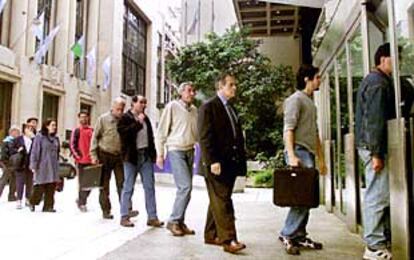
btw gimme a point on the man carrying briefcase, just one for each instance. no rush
(301, 144)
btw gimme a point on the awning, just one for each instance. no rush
(304, 3)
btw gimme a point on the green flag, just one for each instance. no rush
(77, 48)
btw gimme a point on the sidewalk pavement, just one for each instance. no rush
(70, 234)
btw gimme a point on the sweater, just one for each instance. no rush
(177, 129)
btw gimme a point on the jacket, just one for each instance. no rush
(128, 129)
(80, 143)
(375, 106)
(44, 159)
(217, 141)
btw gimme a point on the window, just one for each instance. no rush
(6, 90)
(159, 69)
(50, 106)
(80, 37)
(44, 7)
(134, 53)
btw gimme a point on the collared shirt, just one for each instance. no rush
(27, 143)
(106, 136)
(142, 137)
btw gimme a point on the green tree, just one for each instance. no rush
(262, 87)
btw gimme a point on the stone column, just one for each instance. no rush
(71, 35)
(18, 26)
(30, 39)
(92, 33)
(61, 40)
(5, 28)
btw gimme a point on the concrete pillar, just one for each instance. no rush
(71, 35)
(61, 41)
(18, 26)
(92, 33)
(30, 38)
(5, 28)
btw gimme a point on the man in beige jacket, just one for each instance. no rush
(176, 133)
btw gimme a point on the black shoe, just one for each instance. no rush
(13, 198)
(107, 216)
(290, 246)
(309, 243)
(31, 207)
(49, 210)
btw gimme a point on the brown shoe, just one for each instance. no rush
(175, 229)
(215, 242)
(233, 247)
(186, 230)
(125, 222)
(155, 223)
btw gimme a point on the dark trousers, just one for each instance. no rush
(24, 178)
(220, 214)
(83, 194)
(10, 178)
(110, 163)
(48, 190)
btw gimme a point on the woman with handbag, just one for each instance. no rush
(44, 163)
(24, 176)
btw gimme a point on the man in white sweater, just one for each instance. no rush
(176, 134)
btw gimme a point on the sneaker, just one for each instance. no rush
(125, 222)
(290, 247)
(309, 243)
(107, 215)
(379, 254)
(19, 204)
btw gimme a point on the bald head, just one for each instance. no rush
(118, 106)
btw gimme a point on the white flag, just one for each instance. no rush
(106, 67)
(41, 52)
(196, 18)
(91, 63)
(2, 4)
(38, 25)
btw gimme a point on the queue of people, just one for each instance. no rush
(125, 144)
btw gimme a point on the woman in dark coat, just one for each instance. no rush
(44, 163)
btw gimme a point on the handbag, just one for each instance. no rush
(90, 177)
(296, 187)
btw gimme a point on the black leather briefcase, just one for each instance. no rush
(296, 187)
(90, 177)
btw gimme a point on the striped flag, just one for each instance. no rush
(2, 4)
(41, 52)
(91, 66)
(106, 67)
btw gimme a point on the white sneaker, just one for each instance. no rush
(380, 254)
(19, 204)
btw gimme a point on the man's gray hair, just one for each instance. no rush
(14, 128)
(182, 86)
(119, 101)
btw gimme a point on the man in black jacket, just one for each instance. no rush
(138, 152)
(222, 160)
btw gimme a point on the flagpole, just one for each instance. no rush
(185, 21)
(199, 21)
(212, 15)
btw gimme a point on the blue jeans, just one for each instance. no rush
(182, 170)
(298, 217)
(376, 217)
(145, 168)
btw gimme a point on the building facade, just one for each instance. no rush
(120, 41)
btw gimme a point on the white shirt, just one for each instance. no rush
(27, 143)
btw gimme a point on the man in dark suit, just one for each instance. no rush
(223, 158)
